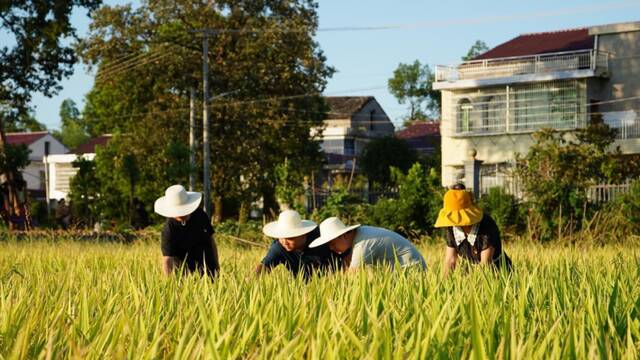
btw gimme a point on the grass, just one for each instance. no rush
(65, 299)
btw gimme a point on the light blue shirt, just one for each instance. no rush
(378, 246)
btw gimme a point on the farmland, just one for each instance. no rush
(64, 298)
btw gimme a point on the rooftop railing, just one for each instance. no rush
(524, 65)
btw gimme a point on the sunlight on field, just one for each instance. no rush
(89, 300)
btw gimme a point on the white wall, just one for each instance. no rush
(31, 173)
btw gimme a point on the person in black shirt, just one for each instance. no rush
(187, 236)
(470, 234)
(291, 246)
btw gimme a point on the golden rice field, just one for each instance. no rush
(69, 299)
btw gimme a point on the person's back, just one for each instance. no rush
(378, 246)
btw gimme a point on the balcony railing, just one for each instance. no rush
(628, 126)
(524, 65)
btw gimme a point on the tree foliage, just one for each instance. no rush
(560, 166)
(262, 120)
(383, 153)
(72, 133)
(34, 59)
(412, 84)
(414, 212)
(478, 48)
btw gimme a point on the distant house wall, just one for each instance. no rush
(33, 174)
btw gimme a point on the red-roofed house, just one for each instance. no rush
(61, 170)
(558, 79)
(38, 142)
(422, 136)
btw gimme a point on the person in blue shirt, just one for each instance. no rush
(290, 247)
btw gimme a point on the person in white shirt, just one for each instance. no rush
(361, 246)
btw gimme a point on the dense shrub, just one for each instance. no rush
(415, 210)
(504, 209)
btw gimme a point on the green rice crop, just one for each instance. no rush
(68, 299)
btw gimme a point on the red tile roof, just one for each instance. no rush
(419, 129)
(90, 146)
(26, 138)
(542, 43)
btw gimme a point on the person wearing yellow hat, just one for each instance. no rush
(470, 233)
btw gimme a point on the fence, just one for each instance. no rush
(524, 65)
(597, 194)
(603, 193)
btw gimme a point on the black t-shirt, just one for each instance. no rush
(307, 260)
(488, 235)
(192, 243)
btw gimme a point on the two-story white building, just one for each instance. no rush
(352, 121)
(560, 79)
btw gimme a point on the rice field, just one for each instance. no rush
(68, 299)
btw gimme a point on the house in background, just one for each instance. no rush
(352, 121)
(422, 136)
(61, 169)
(40, 143)
(561, 79)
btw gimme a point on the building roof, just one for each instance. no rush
(542, 43)
(90, 146)
(419, 129)
(26, 138)
(343, 107)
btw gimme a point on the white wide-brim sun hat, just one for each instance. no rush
(177, 202)
(289, 225)
(330, 229)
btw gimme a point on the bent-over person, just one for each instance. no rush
(187, 236)
(360, 246)
(290, 247)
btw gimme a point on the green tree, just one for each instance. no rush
(419, 200)
(25, 122)
(72, 133)
(478, 48)
(85, 191)
(412, 83)
(253, 129)
(34, 58)
(383, 153)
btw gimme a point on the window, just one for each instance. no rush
(519, 108)
(464, 118)
(349, 147)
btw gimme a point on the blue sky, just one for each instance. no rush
(434, 32)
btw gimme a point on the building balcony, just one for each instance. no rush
(521, 69)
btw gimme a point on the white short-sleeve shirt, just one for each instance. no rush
(377, 246)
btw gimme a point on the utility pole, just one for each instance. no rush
(192, 138)
(206, 150)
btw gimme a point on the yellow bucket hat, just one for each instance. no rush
(458, 210)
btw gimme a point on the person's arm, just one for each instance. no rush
(169, 264)
(486, 255)
(169, 261)
(211, 258)
(272, 259)
(450, 259)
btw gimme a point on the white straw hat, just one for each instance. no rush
(177, 202)
(330, 229)
(289, 225)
